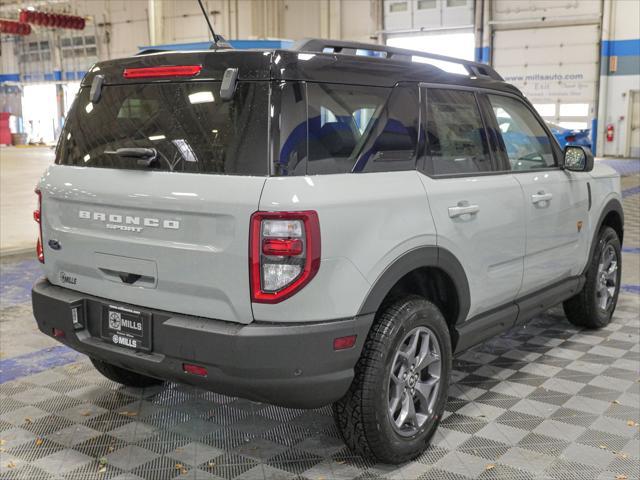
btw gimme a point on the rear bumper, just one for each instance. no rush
(292, 365)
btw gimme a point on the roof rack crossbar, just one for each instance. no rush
(319, 45)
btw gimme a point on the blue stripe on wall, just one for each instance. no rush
(483, 54)
(239, 44)
(9, 77)
(621, 48)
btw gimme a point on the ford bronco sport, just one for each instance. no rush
(314, 226)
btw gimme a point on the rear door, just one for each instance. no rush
(477, 208)
(167, 230)
(556, 200)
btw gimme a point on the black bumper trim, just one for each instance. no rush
(291, 365)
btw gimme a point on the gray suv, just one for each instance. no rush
(314, 226)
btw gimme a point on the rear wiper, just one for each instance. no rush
(145, 156)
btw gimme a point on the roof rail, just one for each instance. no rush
(352, 48)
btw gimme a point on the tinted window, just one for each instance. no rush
(340, 117)
(393, 137)
(342, 129)
(289, 123)
(192, 129)
(456, 138)
(526, 142)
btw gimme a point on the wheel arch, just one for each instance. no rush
(424, 262)
(612, 215)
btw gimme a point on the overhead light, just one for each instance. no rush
(201, 97)
(88, 108)
(156, 137)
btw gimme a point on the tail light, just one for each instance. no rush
(570, 138)
(284, 253)
(37, 216)
(194, 369)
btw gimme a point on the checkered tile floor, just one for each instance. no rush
(543, 401)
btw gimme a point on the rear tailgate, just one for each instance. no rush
(172, 235)
(193, 260)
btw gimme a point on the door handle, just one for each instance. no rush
(541, 196)
(463, 208)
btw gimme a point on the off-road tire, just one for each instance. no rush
(362, 414)
(123, 376)
(582, 309)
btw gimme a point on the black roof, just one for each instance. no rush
(305, 63)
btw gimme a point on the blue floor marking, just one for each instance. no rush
(36, 362)
(631, 249)
(16, 280)
(631, 288)
(630, 191)
(628, 166)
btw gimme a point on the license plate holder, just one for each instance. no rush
(126, 327)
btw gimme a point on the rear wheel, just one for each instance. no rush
(123, 376)
(399, 391)
(593, 306)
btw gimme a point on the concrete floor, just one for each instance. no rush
(20, 170)
(543, 401)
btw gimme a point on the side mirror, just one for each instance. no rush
(578, 159)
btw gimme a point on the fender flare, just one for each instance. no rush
(428, 256)
(613, 205)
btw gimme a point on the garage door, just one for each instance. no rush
(555, 67)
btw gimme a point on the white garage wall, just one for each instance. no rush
(123, 25)
(555, 67)
(620, 75)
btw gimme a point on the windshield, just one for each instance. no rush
(188, 126)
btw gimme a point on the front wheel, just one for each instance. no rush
(593, 306)
(399, 391)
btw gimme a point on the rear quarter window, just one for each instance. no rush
(329, 129)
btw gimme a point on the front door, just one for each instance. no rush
(555, 200)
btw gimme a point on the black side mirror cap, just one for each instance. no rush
(578, 158)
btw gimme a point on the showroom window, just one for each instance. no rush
(456, 138)
(527, 144)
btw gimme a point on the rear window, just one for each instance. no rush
(189, 126)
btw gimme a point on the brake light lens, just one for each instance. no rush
(289, 247)
(194, 369)
(162, 72)
(284, 253)
(37, 216)
(344, 343)
(570, 138)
